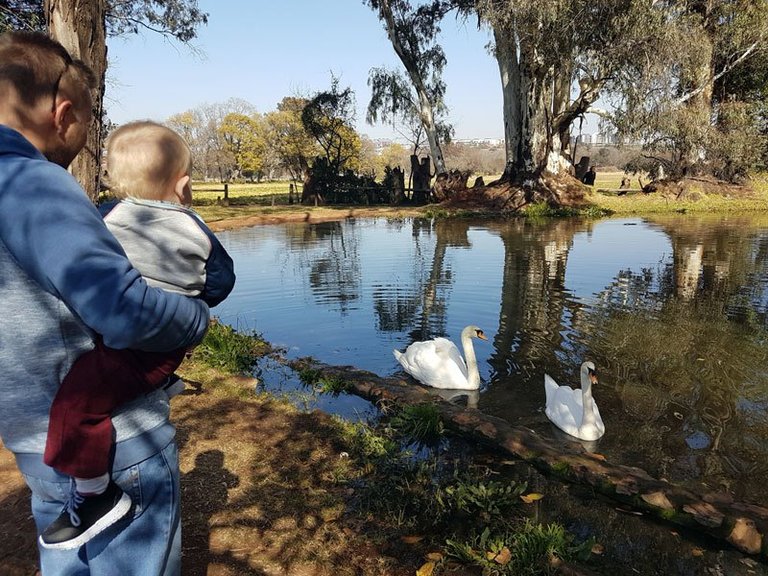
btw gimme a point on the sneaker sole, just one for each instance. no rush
(116, 513)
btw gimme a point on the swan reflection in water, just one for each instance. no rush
(458, 396)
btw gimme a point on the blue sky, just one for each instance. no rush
(261, 51)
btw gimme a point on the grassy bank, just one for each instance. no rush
(308, 489)
(268, 202)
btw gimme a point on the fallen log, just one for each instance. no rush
(742, 525)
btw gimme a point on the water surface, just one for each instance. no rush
(671, 310)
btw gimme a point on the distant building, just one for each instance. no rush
(605, 138)
(480, 142)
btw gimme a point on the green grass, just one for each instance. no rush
(419, 422)
(271, 198)
(206, 192)
(655, 203)
(227, 349)
(531, 550)
(612, 180)
(317, 380)
(487, 502)
(638, 203)
(365, 440)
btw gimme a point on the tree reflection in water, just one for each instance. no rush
(672, 310)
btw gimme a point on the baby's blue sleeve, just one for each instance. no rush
(219, 272)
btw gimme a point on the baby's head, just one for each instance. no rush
(150, 161)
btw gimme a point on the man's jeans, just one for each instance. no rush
(147, 542)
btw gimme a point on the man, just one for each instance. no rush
(589, 177)
(63, 279)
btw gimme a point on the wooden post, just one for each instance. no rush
(226, 192)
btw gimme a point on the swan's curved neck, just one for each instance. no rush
(588, 413)
(473, 373)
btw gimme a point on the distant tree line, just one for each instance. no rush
(231, 140)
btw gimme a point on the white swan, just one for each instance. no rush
(438, 362)
(574, 410)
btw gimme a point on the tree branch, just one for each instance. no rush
(685, 97)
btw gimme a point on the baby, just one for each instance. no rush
(148, 168)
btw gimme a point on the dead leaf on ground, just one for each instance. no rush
(658, 499)
(412, 539)
(426, 570)
(503, 557)
(598, 549)
(532, 497)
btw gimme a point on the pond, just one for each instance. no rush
(673, 311)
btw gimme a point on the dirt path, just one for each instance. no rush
(303, 214)
(259, 493)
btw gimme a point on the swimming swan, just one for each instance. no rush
(439, 364)
(566, 406)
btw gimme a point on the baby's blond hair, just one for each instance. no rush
(144, 159)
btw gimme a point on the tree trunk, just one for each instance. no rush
(536, 95)
(699, 114)
(509, 70)
(561, 131)
(80, 27)
(426, 113)
(421, 172)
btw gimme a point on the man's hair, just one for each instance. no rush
(144, 158)
(34, 65)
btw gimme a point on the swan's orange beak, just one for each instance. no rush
(593, 377)
(480, 334)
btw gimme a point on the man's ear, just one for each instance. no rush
(62, 115)
(182, 190)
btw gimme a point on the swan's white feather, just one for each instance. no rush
(565, 409)
(437, 363)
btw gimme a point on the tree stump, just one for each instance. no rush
(421, 173)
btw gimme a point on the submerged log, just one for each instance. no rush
(742, 525)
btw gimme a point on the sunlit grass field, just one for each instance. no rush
(272, 197)
(636, 202)
(259, 193)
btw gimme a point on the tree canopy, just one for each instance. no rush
(329, 118)
(179, 19)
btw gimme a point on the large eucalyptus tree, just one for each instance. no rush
(555, 60)
(696, 103)
(413, 31)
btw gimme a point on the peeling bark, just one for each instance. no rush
(80, 27)
(509, 71)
